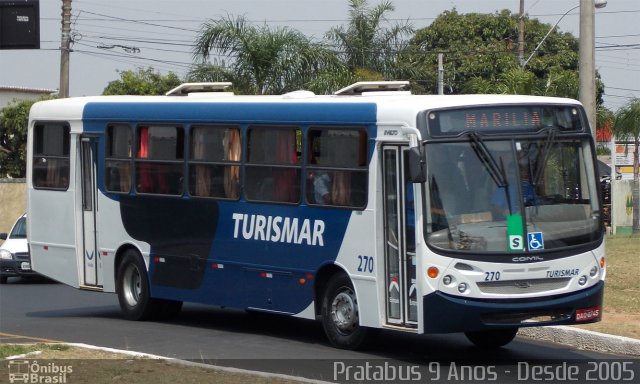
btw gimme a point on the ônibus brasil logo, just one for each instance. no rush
(25, 371)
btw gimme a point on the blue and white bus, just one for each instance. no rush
(369, 208)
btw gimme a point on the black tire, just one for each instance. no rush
(4, 279)
(132, 286)
(492, 339)
(340, 315)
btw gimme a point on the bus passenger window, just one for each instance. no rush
(118, 158)
(51, 156)
(273, 166)
(214, 163)
(337, 167)
(159, 160)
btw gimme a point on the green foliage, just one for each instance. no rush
(264, 60)
(481, 56)
(14, 119)
(626, 126)
(365, 43)
(627, 121)
(146, 81)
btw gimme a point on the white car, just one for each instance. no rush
(14, 252)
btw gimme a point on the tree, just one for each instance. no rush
(14, 119)
(627, 127)
(144, 81)
(263, 60)
(480, 52)
(364, 43)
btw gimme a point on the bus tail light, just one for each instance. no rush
(433, 272)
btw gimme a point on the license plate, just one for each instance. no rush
(586, 314)
(25, 266)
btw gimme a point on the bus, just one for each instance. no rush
(369, 208)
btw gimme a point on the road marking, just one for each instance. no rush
(39, 339)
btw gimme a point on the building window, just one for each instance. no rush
(214, 164)
(51, 143)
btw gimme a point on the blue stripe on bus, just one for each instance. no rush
(230, 112)
(260, 269)
(191, 238)
(254, 272)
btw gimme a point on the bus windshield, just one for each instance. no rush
(522, 195)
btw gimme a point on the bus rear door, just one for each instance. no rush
(91, 257)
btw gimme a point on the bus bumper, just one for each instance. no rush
(444, 313)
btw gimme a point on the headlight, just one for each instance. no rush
(6, 255)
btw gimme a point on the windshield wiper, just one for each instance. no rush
(551, 134)
(496, 171)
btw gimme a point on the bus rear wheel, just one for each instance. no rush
(132, 286)
(492, 339)
(340, 315)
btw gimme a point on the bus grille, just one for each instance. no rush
(523, 286)
(22, 256)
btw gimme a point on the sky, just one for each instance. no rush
(116, 35)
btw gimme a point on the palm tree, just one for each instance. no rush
(364, 43)
(262, 60)
(627, 127)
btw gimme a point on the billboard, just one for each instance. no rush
(19, 24)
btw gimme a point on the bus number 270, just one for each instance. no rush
(365, 264)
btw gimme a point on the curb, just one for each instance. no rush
(186, 363)
(584, 339)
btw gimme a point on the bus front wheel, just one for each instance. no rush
(340, 315)
(492, 339)
(132, 286)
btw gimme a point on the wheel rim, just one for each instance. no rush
(132, 285)
(344, 311)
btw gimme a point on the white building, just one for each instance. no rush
(8, 93)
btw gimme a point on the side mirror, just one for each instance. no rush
(417, 170)
(3, 236)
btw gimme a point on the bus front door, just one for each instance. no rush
(91, 257)
(399, 236)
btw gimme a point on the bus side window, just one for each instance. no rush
(214, 163)
(273, 166)
(51, 156)
(159, 160)
(337, 167)
(118, 158)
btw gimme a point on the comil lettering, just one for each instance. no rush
(278, 229)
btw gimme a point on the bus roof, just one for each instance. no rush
(391, 106)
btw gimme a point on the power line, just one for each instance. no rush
(141, 22)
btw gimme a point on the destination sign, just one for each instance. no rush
(504, 119)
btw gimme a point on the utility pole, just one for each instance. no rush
(587, 93)
(440, 74)
(65, 47)
(521, 34)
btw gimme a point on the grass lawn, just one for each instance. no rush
(99, 367)
(622, 288)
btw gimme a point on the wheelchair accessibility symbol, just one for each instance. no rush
(535, 241)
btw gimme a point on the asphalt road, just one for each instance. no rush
(43, 310)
